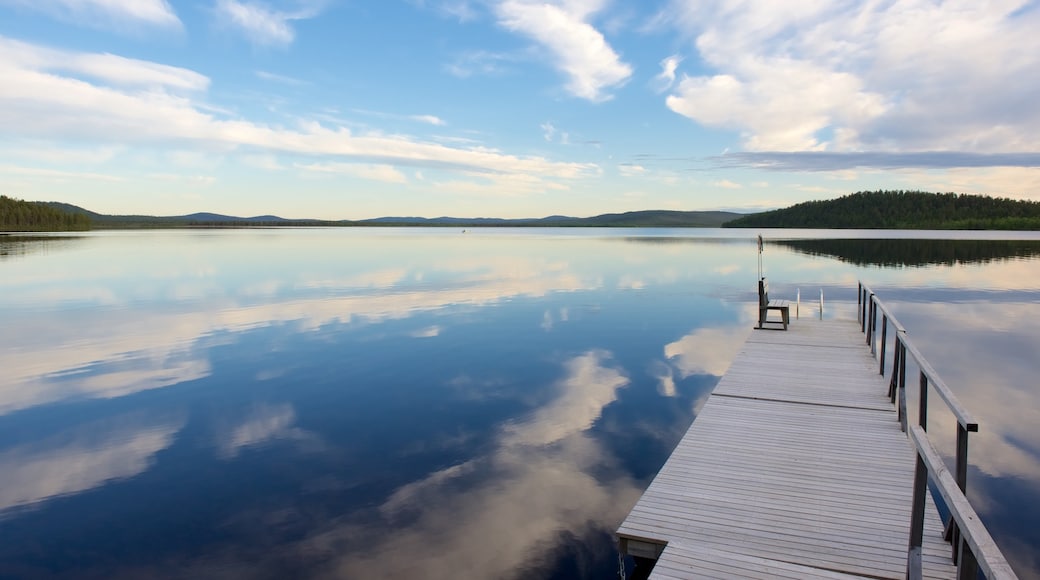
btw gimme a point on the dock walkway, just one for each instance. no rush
(795, 467)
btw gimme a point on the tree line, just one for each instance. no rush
(29, 216)
(902, 210)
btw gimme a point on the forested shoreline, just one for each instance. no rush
(911, 210)
(29, 216)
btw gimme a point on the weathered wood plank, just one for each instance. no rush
(794, 468)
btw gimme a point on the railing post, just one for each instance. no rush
(902, 408)
(884, 343)
(859, 305)
(967, 565)
(962, 457)
(863, 311)
(870, 323)
(922, 410)
(893, 379)
(953, 533)
(902, 369)
(913, 559)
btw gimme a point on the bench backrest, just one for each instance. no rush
(763, 293)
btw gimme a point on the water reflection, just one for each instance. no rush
(22, 245)
(394, 403)
(81, 458)
(500, 513)
(915, 252)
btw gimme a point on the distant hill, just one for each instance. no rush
(632, 219)
(652, 218)
(901, 210)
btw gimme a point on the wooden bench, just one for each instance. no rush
(765, 305)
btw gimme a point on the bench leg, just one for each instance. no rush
(786, 315)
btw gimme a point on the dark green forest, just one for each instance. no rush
(30, 216)
(901, 210)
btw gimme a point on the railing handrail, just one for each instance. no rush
(968, 536)
(982, 547)
(891, 317)
(964, 417)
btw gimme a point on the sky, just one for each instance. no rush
(353, 109)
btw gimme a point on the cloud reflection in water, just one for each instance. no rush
(82, 458)
(498, 515)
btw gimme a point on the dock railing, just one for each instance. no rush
(973, 547)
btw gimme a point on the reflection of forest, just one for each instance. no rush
(910, 252)
(18, 246)
(671, 240)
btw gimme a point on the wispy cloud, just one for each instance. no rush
(857, 77)
(460, 10)
(104, 67)
(666, 78)
(106, 13)
(372, 172)
(548, 131)
(429, 120)
(106, 112)
(425, 119)
(580, 50)
(261, 24)
(726, 184)
(479, 62)
(277, 78)
(827, 161)
(631, 170)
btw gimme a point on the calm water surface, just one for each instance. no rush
(395, 403)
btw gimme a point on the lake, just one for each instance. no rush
(433, 403)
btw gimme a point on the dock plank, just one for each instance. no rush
(795, 467)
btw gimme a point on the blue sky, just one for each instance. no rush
(348, 109)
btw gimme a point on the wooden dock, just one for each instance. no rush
(795, 467)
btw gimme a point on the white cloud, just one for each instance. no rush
(378, 172)
(429, 120)
(261, 24)
(666, 78)
(726, 184)
(580, 50)
(548, 131)
(861, 76)
(109, 68)
(37, 103)
(106, 13)
(57, 175)
(277, 78)
(631, 170)
(479, 62)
